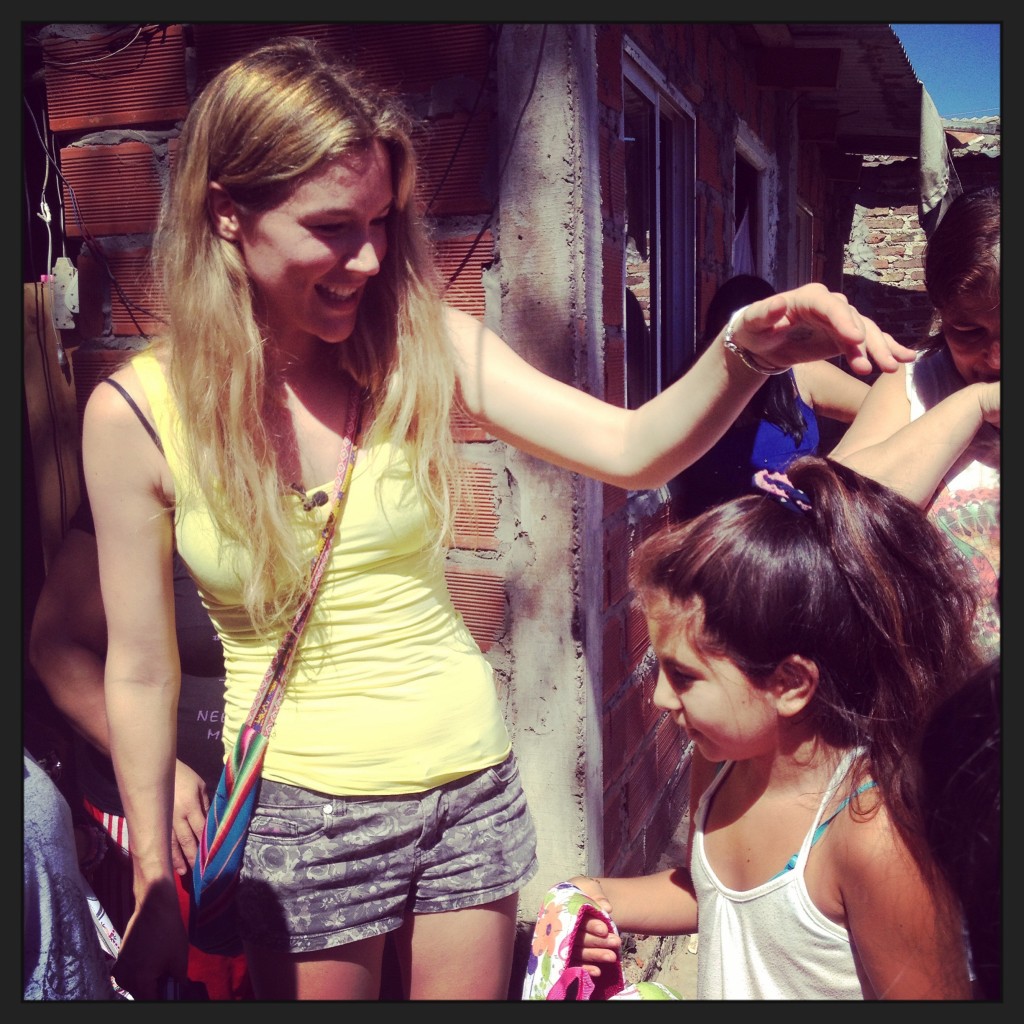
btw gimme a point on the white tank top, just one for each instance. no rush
(770, 942)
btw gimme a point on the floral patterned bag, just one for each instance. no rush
(565, 909)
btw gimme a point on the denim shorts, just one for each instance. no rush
(322, 871)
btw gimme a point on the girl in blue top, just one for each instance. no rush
(779, 423)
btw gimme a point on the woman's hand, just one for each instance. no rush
(154, 945)
(811, 323)
(188, 818)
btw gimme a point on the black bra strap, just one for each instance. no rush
(138, 412)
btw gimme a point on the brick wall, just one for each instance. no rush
(883, 271)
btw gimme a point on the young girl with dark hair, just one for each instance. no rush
(803, 634)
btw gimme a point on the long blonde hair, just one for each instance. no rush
(258, 128)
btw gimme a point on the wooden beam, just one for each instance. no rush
(52, 420)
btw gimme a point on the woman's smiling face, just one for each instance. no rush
(311, 256)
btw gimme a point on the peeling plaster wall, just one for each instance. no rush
(541, 283)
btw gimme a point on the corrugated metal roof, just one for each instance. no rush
(875, 102)
(974, 135)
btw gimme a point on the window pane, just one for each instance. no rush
(641, 247)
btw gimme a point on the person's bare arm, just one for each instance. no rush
(658, 904)
(129, 490)
(912, 456)
(646, 447)
(67, 648)
(904, 928)
(68, 640)
(830, 391)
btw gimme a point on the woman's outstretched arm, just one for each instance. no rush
(645, 447)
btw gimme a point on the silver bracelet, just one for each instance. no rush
(747, 358)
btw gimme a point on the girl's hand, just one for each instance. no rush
(188, 817)
(593, 888)
(596, 946)
(811, 323)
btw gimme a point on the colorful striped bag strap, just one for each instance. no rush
(215, 872)
(271, 692)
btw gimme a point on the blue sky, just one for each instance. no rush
(958, 64)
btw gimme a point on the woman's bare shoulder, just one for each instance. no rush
(114, 404)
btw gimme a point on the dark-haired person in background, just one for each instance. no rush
(961, 766)
(779, 422)
(931, 429)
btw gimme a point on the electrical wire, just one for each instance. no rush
(469, 120)
(504, 166)
(89, 240)
(46, 217)
(94, 60)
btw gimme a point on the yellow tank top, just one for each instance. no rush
(388, 692)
